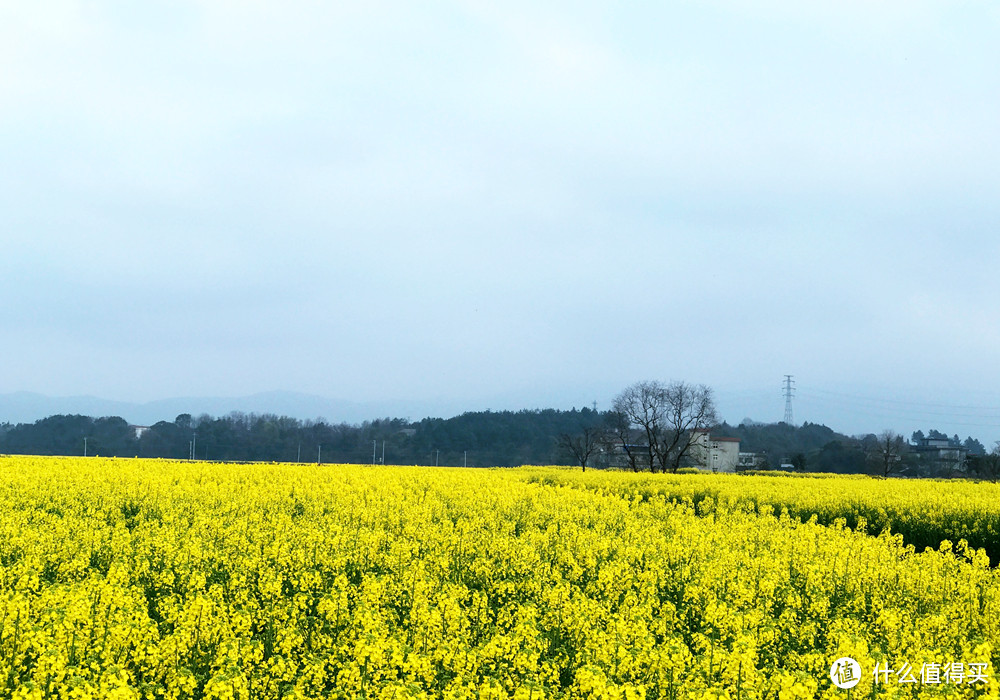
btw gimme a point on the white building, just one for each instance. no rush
(752, 460)
(720, 454)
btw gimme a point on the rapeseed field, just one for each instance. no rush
(157, 579)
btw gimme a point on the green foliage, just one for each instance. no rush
(484, 438)
(65, 435)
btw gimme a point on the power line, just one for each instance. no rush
(906, 402)
(909, 408)
(869, 407)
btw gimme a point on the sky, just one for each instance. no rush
(506, 205)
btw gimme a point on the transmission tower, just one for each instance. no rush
(788, 390)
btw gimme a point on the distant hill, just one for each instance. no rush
(780, 439)
(27, 407)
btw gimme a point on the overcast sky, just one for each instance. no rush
(498, 205)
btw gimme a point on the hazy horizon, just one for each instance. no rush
(864, 414)
(515, 206)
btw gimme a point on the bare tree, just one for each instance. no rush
(669, 417)
(642, 404)
(580, 446)
(618, 436)
(689, 409)
(885, 451)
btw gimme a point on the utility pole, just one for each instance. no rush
(194, 445)
(374, 442)
(437, 453)
(298, 459)
(788, 391)
(466, 457)
(383, 452)
(319, 454)
(84, 447)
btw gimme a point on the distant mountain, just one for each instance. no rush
(27, 407)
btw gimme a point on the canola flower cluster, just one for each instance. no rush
(156, 579)
(924, 511)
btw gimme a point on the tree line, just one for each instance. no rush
(651, 426)
(483, 438)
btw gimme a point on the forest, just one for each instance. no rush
(474, 439)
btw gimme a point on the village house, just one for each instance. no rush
(941, 453)
(718, 454)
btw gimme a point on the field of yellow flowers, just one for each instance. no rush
(924, 511)
(156, 579)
